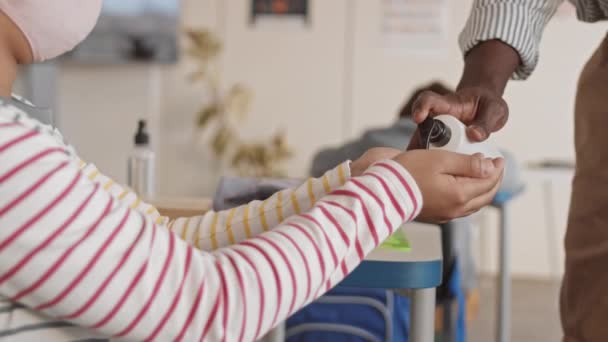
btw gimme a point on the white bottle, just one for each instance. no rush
(142, 164)
(445, 132)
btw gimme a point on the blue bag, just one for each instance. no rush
(351, 314)
(348, 314)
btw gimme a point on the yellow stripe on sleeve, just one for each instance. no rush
(197, 235)
(246, 222)
(150, 210)
(165, 220)
(93, 174)
(82, 164)
(229, 225)
(326, 186)
(160, 220)
(123, 194)
(294, 202)
(311, 194)
(185, 232)
(136, 203)
(341, 174)
(214, 232)
(279, 206)
(108, 185)
(263, 217)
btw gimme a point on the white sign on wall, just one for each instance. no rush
(411, 26)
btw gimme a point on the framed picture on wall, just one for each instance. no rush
(282, 11)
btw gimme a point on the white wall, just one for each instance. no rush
(301, 78)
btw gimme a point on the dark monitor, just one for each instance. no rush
(132, 31)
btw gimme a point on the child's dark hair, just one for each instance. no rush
(436, 87)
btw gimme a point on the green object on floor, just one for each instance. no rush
(398, 241)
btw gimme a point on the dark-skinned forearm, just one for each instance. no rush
(490, 64)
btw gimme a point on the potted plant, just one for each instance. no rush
(217, 119)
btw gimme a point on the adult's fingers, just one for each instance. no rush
(416, 142)
(429, 103)
(492, 114)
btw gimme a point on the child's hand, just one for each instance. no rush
(370, 157)
(453, 185)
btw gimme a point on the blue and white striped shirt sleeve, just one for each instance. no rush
(518, 23)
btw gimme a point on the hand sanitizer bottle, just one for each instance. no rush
(445, 132)
(141, 173)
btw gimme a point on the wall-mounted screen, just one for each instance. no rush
(132, 31)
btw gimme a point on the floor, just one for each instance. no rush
(535, 315)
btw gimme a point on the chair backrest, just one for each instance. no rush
(40, 87)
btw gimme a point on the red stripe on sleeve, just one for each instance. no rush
(109, 278)
(294, 284)
(192, 312)
(31, 189)
(348, 211)
(261, 291)
(389, 193)
(358, 246)
(342, 235)
(41, 246)
(119, 304)
(159, 282)
(376, 198)
(241, 284)
(304, 259)
(18, 139)
(86, 269)
(212, 316)
(176, 298)
(315, 246)
(64, 256)
(405, 185)
(225, 299)
(368, 219)
(27, 162)
(9, 124)
(38, 216)
(327, 240)
(337, 225)
(275, 272)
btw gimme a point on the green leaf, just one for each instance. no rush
(206, 115)
(196, 76)
(221, 140)
(204, 44)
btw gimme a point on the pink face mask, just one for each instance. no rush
(53, 27)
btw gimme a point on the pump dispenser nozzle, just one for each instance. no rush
(446, 132)
(434, 132)
(141, 164)
(142, 137)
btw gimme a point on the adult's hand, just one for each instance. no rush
(453, 185)
(477, 101)
(480, 108)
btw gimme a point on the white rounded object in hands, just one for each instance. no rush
(460, 143)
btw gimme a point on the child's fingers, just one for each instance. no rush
(483, 199)
(476, 187)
